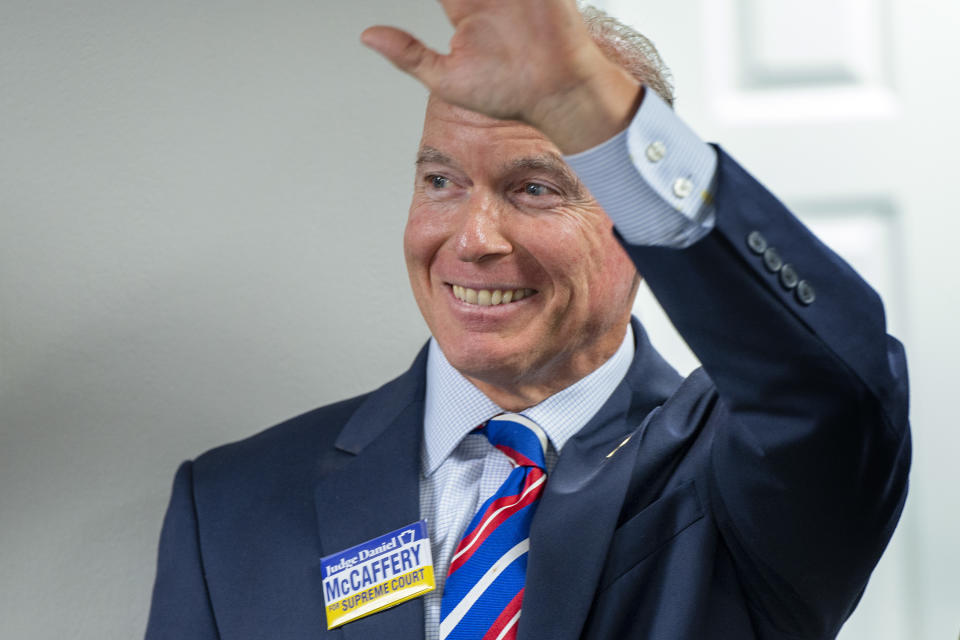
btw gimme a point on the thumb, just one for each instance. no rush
(405, 52)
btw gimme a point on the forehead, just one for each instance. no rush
(469, 135)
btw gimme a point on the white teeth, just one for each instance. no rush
(487, 298)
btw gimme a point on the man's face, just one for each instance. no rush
(498, 217)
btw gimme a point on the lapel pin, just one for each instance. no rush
(625, 440)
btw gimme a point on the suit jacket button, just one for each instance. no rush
(788, 277)
(805, 293)
(756, 242)
(772, 260)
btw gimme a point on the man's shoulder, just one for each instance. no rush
(280, 452)
(294, 449)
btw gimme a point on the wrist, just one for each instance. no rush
(591, 112)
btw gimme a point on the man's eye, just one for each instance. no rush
(438, 182)
(535, 189)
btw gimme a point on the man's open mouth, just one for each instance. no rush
(490, 297)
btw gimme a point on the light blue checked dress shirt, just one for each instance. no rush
(654, 180)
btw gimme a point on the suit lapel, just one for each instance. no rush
(370, 484)
(578, 513)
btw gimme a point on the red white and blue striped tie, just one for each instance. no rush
(484, 588)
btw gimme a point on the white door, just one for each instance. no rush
(846, 110)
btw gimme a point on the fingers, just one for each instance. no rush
(405, 52)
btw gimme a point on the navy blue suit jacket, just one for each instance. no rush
(752, 499)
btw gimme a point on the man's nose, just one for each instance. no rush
(481, 233)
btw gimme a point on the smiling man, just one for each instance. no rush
(540, 472)
(513, 264)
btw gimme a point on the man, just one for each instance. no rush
(750, 500)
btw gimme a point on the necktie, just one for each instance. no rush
(485, 582)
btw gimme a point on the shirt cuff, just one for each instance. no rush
(655, 179)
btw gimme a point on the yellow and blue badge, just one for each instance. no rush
(377, 574)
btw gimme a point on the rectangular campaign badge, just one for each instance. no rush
(377, 574)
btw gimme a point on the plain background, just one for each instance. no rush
(201, 209)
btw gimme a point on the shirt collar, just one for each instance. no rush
(454, 406)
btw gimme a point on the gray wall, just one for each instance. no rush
(201, 208)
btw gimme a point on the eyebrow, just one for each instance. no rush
(431, 155)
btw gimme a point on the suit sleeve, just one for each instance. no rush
(809, 461)
(180, 609)
(811, 452)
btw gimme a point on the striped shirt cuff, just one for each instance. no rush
(654, 179)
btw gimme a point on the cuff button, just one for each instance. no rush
(756, 242)
(656, 151)
(772, 260)
(789, 277)
(682, 187)
(805, 293)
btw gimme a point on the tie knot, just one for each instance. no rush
(519, 437)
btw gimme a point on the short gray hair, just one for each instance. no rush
(630, 49)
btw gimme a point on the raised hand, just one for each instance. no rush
(527, 60)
